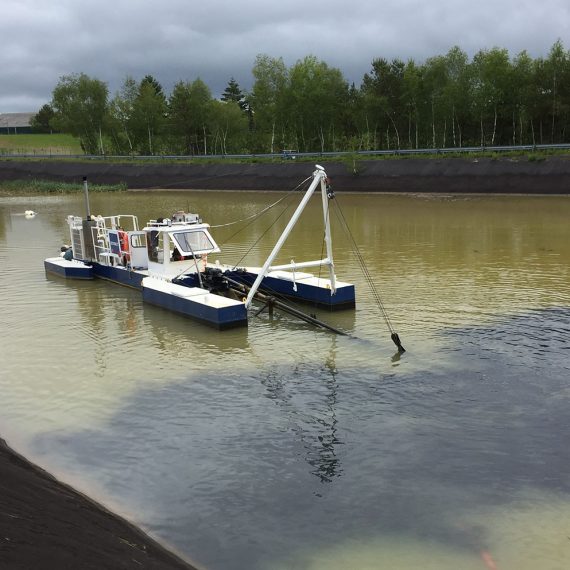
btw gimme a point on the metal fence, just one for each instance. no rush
(289, 155)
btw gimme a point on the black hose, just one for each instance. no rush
(271, 301)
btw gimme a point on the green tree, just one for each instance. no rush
(121, 119)
(383, 90)
(436, 107)
(229, 126)
(41, 121)
(267, 101)
(150, 81)
(556, 70)
(189, 116)
(180, 127)
(233, 93)
(317, 96)
(200, 101)
(149, 115)
(491, 79)
(457, 92)
(522, 95)
(80, 106)
(354, 131)
(411, 98)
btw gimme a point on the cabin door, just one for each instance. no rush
(139, 254)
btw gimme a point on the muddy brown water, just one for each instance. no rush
(281, 446)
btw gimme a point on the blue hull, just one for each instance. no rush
(69, 271)
(344, 298)
(119, 275)
(220, 318)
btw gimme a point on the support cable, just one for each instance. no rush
(260, 237)
(288, 195)
(258, 214)
(393, 334)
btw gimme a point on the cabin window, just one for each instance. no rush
(138, 240)
(193, 242)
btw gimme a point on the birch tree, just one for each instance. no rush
(79, 103)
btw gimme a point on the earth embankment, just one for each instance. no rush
(45, 524)
(549, 175)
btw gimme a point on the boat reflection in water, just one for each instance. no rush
(315, 422)
(119, 322)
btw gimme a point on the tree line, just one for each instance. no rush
(447, 101)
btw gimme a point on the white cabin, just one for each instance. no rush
(164, 248)
(178, 245)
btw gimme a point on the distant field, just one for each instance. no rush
(39, 144)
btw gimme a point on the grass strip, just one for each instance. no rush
(36, 187)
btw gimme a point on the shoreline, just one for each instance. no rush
(546, 176)
(411, 194)
(46, 524)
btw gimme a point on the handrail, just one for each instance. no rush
(383, 152)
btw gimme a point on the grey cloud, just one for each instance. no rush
(179, 39)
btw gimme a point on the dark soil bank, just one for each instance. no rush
(455, 175)
(46, 525)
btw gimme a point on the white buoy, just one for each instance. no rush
(30, 214)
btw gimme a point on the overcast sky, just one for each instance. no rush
(217, 39)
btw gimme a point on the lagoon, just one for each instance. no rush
(282, 447)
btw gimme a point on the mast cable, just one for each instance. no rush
(393, 334)
(261, 236)
(257, 214)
